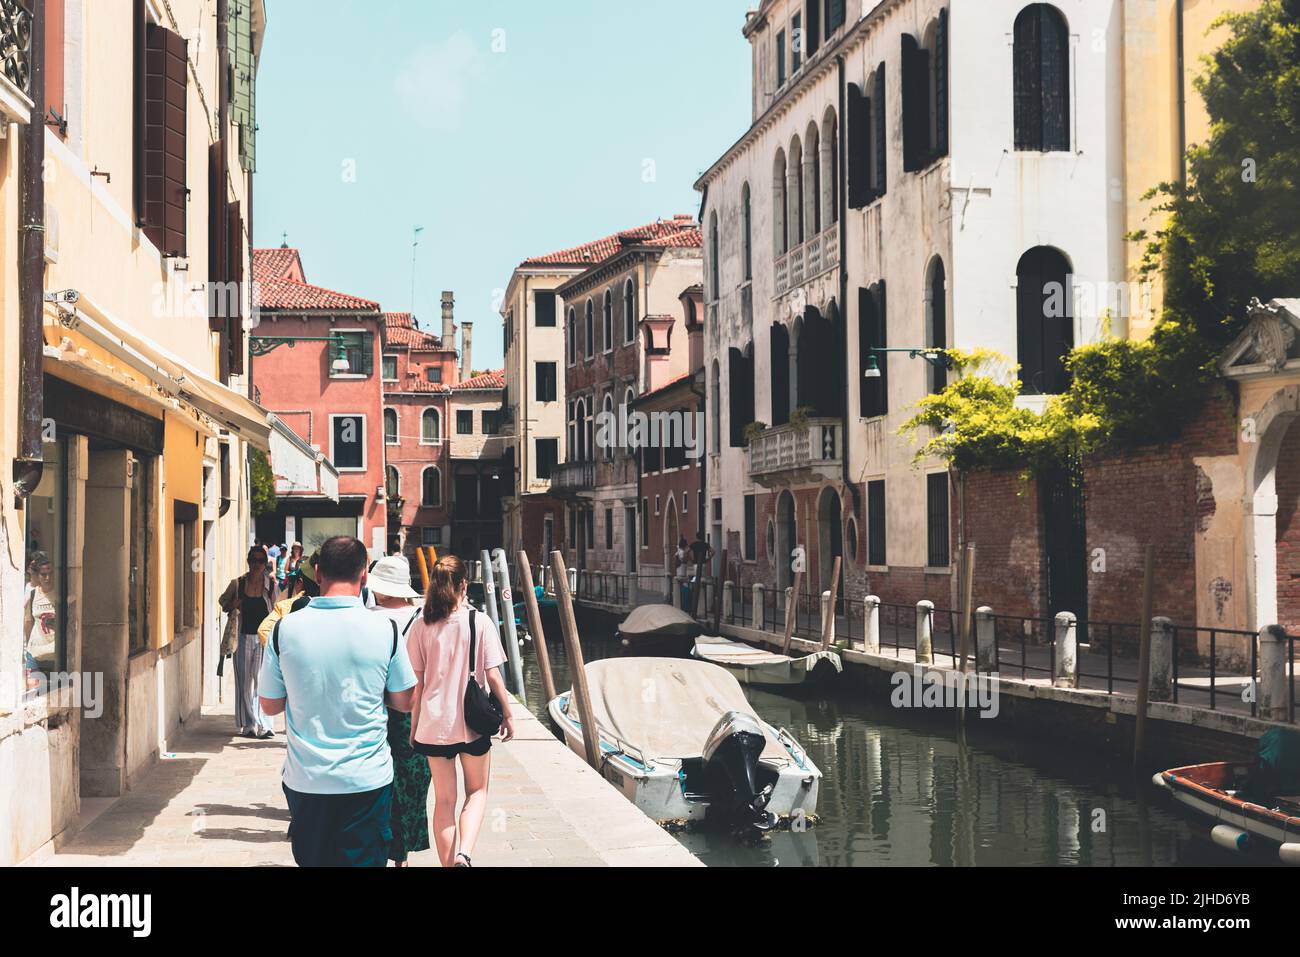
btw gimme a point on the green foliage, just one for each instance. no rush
(1233, 234)
(800, 417)
(263, 481)
(753, 431)
(1233, 231)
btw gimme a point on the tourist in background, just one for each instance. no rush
(331, 669)
(251, 596)
(390, 583)
(440, 654)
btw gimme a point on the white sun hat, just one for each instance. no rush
(391, 576)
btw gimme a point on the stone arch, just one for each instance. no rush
(787, 537)
(830, 535)
(1270, 427)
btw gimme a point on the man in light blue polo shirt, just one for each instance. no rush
(333, 668)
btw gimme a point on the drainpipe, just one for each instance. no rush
(1182, 94)
(842, 188)
(29, 464)
(701, 521)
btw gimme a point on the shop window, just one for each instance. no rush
(185, 578)
(44, 595)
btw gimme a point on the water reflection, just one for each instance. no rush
(898, 792)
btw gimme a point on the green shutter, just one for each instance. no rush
(243, 93)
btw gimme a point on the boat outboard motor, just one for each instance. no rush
(730, 769)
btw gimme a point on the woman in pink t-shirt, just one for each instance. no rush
(439, 649)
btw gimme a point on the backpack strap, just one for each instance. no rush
(393, 654)
(275, 637)
(473, 661)
(412, 621)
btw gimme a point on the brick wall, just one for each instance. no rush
(1288, 531)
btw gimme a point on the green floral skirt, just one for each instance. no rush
(411, 780)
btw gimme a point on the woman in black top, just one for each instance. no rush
(250, 596)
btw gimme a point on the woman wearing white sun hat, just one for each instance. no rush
(390, 583)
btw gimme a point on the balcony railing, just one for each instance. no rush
(789, 448)
(573, 477)
(809, 260)
(16, 43)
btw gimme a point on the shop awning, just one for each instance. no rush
(173, 374)
(298, 467)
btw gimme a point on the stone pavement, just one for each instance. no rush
(216, 802)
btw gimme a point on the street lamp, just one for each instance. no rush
(939, 358)
(261, 345)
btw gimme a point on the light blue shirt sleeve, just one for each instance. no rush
(401, 675)
(270, 680)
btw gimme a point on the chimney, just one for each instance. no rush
(466, 353)
(448, 319)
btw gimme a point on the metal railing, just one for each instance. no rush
(16, 43)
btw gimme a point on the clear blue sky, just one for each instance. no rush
(376, 116)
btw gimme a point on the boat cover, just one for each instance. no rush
(666, 707)
(1276, 770)
(665, 620)
(728, 652)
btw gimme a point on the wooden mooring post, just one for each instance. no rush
(573, 647)
(424, 568)
(828, 626)
(1144, 656)
(792, 612)
(535, 626)
(964, 608)
(717, 595)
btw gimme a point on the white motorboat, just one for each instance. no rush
(758, 666)
(658, 630)
(680, 740)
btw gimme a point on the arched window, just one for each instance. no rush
(779, 346)
(430, 427)
(572, 331)
(746, 233)
(629, 311)
(394, 485)
(1042, 79)
(571, 455)
(830, 168)
(795, 205)
(780, 235)
(610, 427)
(1044, 320)
(715, 272)
(936, 320)
(580, 429)
(591, 330)
(431, 487)
(607, 317)
(813, 182)
(390, 427)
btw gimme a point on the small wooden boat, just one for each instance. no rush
(1244, 798)
(758, 666)
(658, 630)
(681, 741)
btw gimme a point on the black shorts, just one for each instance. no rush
(340, 830)
(475, 748)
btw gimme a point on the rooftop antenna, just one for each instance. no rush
(415, 241)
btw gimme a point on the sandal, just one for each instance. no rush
(468, 862)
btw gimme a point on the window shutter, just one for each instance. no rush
(881, 137)
(914, 103)
(834, 16)
(866, 338)
(882, 340)
(235, 274)
(165, 195)
(941, 81)
(217, 216)
(1027, 77)
(367, 353)
(859, 134)
(812, 28)
(243, 93)
(735, 389)
(1054, 80)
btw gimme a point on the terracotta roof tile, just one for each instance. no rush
(287, 294)
(660, 232)
(402, 330)
(281, 263)
(495, 379)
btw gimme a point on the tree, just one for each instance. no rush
(263, 482)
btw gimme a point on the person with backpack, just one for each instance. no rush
(456, 652)
(390, 583)
(332, 668)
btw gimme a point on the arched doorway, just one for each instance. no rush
(671, 534)
(787, 537)
(830, 536)
(1273, 524)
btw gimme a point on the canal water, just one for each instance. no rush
(897, 791)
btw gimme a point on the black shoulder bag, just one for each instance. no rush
(483, 712)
